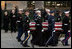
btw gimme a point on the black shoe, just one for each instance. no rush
(6, 31)
(21, 43)
(62, 42)
(46, 45)
(11, 31)
(14, 31)
(18, 39)
(25, 45)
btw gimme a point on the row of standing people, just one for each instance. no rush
(10, 20)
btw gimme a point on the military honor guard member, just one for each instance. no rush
(26, 28)
(66, 24)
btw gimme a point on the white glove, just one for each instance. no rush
(27, 20)
(54, 31)
(68, 30)
(29, 31)
(18, 21)
(38, 24)
(42, 30)
(14, 16)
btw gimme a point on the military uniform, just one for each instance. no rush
(48, 13)
(46, 17)
(35, 15)
(66, 27)
(58, 18)
(66, 23)
(37, 37)
(20, 26)
(51, 22)
(44, 14)
(26, 28)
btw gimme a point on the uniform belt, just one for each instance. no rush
(38, 24)
(18, 21)
(68, 30)
(65, 24)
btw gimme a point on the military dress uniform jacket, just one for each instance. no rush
(66, 23)
(51, 22)
(46, 16)
(26, 22)
(20, 21)
(38, 21)
(58, 19)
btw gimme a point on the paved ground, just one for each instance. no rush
(8, 40)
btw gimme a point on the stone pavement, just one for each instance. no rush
(8, 40)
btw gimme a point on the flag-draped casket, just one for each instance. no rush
(44, 36)
(58, 26)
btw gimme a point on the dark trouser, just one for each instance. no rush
(20, 32)
(6, 27)
(52, 38)
(45, 36)
(37, 38)
(33, 37)
(38, 35)
(57, 34)
(13, 27)
(26, 35)
(67, 35)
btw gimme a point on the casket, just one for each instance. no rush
(58, 26)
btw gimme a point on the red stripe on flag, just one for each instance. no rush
(58, 26)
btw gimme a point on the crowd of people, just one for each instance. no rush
(17, 20)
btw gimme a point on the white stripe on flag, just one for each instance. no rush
(58, 28)
(58, 25)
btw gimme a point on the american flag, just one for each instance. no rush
(58, 26)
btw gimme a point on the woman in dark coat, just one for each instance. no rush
(13, 19)
(6, 21)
